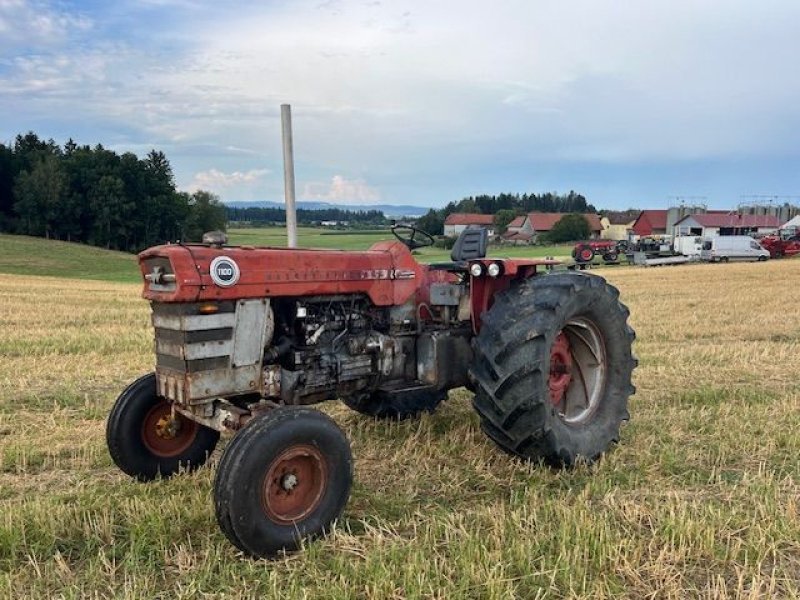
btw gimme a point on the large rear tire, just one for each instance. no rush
(396, 406)
(284, 478)
(552, 368)
(146, 440)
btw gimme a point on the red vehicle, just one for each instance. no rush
(785, 244)
(246, 338)
(584, 252)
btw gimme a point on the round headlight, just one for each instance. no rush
(494, 269)
(476, 270)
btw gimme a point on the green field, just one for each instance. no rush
(22, 255)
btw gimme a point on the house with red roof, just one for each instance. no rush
(527, 228)
(455, 223)
(650, 223)
(711, 224)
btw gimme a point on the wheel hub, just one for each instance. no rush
(168, 427)
(166, 434)
(295, 484)
(560, 369)
(577, 370)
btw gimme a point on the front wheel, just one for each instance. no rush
(284, 478)
(146, 439)
(553, 367)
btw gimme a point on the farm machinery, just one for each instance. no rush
(786, 243)
(609, 250)
(247, 338)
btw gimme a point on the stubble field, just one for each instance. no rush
(700, 499)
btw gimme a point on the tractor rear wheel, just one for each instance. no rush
(552, 368)
(397, 406)
(145, 439)
(285, 477)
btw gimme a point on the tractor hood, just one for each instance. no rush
(387, 272)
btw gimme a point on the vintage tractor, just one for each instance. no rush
(246, 338)
(610, 250)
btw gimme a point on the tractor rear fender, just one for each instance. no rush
(484, 287)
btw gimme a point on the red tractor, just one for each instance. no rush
(246, 338)
(785, 244)
(584, 252)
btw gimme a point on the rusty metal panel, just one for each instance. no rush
(221, 383)
(194, 322)
(249, 333)
(442, 358)
(194, 351)
(447, 294)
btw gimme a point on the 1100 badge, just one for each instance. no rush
(224, 271)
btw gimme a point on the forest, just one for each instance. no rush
(99, 197)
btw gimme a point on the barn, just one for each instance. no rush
(711, 224)
(455, 223)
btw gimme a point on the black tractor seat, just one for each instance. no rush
(471, 244)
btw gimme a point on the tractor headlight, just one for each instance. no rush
(494, 270)
(476, 269)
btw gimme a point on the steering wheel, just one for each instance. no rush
(410, 236)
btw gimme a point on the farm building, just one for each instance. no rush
(650, 222)
(455, 223)
(711, 224)
(617, 224)
(527, 228)
(792, 224)
(662, 222)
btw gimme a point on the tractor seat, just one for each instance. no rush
(471, 244)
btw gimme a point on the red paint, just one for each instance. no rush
(560, 369)
(387, 273)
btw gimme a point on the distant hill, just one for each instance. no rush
(390, 210)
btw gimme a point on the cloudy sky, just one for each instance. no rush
(422, 102)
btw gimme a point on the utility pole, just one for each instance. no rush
(288, 176)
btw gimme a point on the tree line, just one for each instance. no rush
(505, 207)
(275, 215)
(96, 196)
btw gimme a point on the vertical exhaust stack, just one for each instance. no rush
(288, 176)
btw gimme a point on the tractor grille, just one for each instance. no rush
(187, 341)
(202, 356)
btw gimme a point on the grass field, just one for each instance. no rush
(23, 255)
(700, 499)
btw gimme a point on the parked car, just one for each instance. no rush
(722, 248)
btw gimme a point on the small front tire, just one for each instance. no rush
(145, 439)
(283, 479)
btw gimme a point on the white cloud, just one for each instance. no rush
(36, 22)
(341, 191)
(216, 181)
(412, 91)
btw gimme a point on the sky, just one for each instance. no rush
(633, 104)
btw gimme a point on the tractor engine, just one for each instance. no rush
(330, 346)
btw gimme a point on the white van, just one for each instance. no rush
(732, 247)
(688, 245)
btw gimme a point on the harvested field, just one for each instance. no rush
(700, 499)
